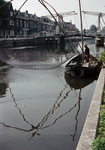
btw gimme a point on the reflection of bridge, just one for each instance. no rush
(43, 124)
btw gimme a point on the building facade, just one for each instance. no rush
(7, 25)
(23, 24)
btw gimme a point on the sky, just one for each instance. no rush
(34, 6)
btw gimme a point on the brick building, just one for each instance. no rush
(23, 24)
(7, 26)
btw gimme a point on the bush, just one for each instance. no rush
(102, 56)
(99, 143)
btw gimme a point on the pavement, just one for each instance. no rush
(91, 123)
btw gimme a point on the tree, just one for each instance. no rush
(4, 10)
(93, 28)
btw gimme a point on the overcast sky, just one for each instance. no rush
(33, 6)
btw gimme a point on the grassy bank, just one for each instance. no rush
(99, 142)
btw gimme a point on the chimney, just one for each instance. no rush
(27, 12)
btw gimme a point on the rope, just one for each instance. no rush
(42, 2)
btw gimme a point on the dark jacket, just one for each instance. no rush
(87, 51)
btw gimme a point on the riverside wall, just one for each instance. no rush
(100, 41)
(16, 42)
(30, 41)
(91, 123)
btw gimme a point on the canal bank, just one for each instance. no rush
(32, 41)
(90, 127)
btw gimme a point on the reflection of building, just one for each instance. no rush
(3, 82)
(3, 87)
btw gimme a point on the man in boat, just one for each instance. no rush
(86, 53)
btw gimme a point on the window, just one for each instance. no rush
(11, 32)
(1, 32)
(24, 24)
(6, 32)
(17, 23)
(11, 13)
(21, 23)
(27, 25)
(17, 32)
(39, 27)
(35, 25)
(44, 27)
(21, 32)
(0, 22)
(11, 23)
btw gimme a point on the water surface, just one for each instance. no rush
(40, 106)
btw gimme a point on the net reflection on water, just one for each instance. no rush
(59, 113)
(60, 107)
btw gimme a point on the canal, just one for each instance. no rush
(42, 108)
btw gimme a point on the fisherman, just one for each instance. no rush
(86, 53)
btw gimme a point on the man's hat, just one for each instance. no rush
(85, 45)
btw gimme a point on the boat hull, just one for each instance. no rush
(76, 68)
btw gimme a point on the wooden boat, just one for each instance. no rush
(76, 67)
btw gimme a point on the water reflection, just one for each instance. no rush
(30, 54)
(62, 108)
(44, 57)
(79, 84)
(3, 87)
(40, 125)
(3, 82)
(38, 58)
(99, 50)
(57, 106)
